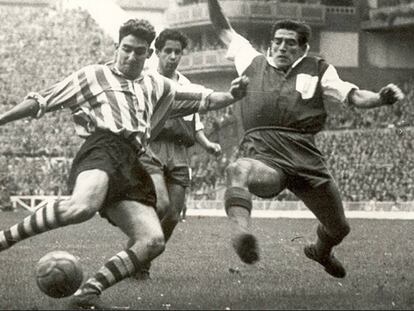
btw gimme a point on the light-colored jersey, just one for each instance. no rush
(101, 97)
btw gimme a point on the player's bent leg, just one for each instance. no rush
(141, 224)
(244, 175)
(238, 205)
(142, 274)
(163, 199)
(172, 217)
(163, 207)
(325, 202)
(86, 199)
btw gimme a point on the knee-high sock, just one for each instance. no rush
(44, 219)
(120, 266)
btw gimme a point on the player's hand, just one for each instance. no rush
(238, 88)
(214, 149)
(390, 94)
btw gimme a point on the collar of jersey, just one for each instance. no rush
(272, 63)
(116, 71)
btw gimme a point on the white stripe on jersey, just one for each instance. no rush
(143, 125)
(150, 89)
(121, 101)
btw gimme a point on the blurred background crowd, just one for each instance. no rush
(370, 153)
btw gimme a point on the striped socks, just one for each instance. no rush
(122, 265)
(44, 219)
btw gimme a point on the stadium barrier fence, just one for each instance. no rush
(261, 208)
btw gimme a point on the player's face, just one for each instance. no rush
(285, 48)
(131, 55)
(169, 56)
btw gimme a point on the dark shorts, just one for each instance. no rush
(295, 154)
(128, 179)
(174, 172)
(179, 175)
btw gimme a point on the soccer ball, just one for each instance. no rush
(59, 274)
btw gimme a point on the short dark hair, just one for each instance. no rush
(170, 34)
(140, 28)
(303, 30)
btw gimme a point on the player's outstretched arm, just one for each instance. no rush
(220, 22)
(190, 99)
(219, 100)
(27, 108)
(364, 99)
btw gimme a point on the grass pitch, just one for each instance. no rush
(199, 269)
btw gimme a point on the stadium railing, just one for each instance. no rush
(262, 209)
(34, 202)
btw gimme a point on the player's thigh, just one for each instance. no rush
(136, 220)
(90, 190)
(261, 179)
(326, 204)
(161, 190)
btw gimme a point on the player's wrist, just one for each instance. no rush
(41, 102)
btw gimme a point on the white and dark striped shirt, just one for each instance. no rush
(101, 97)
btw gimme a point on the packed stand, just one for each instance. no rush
(39, 47)
(366, 164)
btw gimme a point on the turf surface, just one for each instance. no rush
(199, 269)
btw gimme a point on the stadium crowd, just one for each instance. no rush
(370, 153)
(367, 164)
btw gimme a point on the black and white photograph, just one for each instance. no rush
(207, 155)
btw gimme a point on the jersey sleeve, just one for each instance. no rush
(189, 99)
(64, 94)
(335, 89)
(241, 52)
(198, 125)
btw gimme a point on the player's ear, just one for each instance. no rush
(150, 51)
(305, 48)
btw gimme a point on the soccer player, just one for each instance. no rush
(171, 175)
(282, 112)
(112, 107)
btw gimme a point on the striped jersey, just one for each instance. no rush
(179, 130)
(178, 108)
(101, 97)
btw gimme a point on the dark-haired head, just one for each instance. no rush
(134, 48)
(302, 29)
(139, 28)
(170, 34)
(289, 43)
(169, 47)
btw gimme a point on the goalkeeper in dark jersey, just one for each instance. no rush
(281, 114)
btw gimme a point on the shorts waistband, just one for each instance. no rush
(130, 140)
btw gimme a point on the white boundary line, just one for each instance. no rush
(305, 214)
